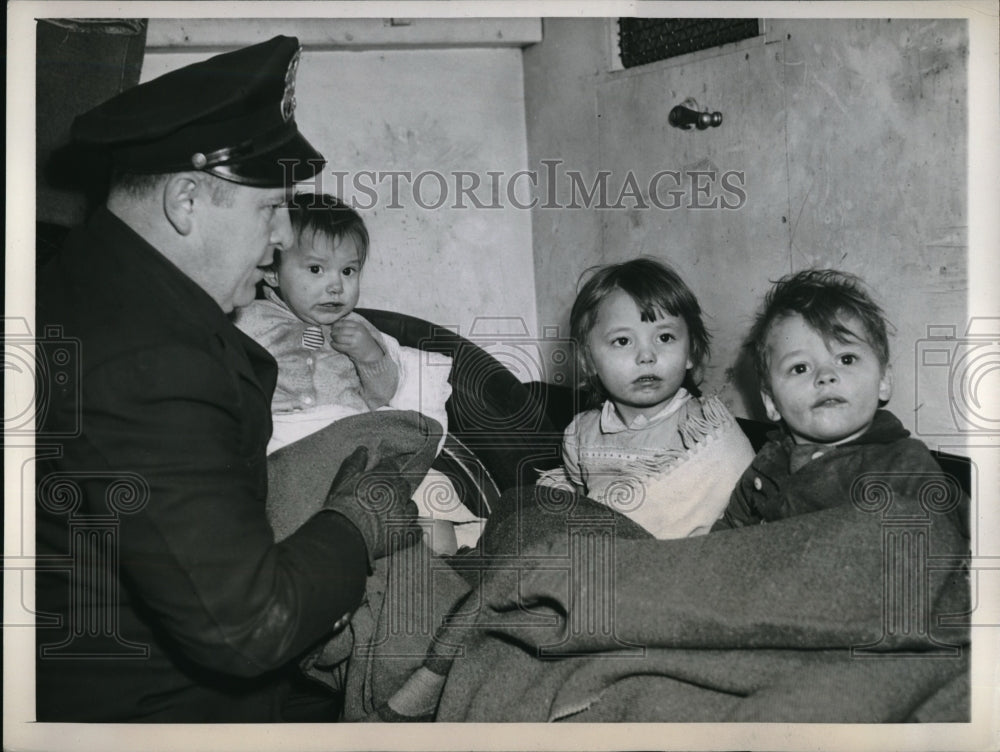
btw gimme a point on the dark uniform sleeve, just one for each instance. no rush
(200, 553)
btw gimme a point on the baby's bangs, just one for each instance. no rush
(828, 320)
(836, 329)
(653, 298)
(653, 310)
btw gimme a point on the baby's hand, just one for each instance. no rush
(355, 341)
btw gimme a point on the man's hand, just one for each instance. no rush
(354, 340)
(371, 498)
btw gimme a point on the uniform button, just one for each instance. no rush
(307, 400)
(342, 622)
(757, 483)
(309, 361)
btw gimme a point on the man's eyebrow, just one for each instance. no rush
(283, 197)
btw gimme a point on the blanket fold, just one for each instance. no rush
(569, 611)
(800, 620)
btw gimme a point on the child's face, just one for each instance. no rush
(641, 364)
(826, 392)
(319, 278)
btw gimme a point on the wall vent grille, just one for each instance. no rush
(646, 40)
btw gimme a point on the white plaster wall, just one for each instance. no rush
(726, 255)
(852, 134)
(877, 122)
(423, 111)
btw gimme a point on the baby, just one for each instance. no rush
(332, 362)
(821, 354)
(327, 354)
(655, 451)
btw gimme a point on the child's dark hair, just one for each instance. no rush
(823, 297)
(326, 215)
(656, 289)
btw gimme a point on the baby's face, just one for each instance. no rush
(641, 364)
(826, 392)
(319, 278)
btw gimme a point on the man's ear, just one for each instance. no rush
(885, 385)
(179, 194)
(772, 412)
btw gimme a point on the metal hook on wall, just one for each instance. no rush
(686, 114)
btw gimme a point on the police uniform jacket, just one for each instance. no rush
(164, 596)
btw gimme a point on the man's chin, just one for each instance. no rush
(242, 302)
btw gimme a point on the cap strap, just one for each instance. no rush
(258, 144)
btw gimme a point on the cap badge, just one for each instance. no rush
(288, 100)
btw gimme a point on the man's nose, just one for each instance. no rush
(282, 236)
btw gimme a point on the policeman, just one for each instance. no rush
(166, 596)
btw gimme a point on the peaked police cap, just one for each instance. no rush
(232, 115)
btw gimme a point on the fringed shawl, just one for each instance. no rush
(676, 492)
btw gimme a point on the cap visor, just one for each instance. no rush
(282, 166)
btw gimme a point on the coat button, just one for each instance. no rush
(758, 484)
(341, 622)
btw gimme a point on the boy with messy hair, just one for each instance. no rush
(821, 353)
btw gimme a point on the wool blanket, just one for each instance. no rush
(852, 614)
(387, 637)
(300, 473)
(570, 611)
